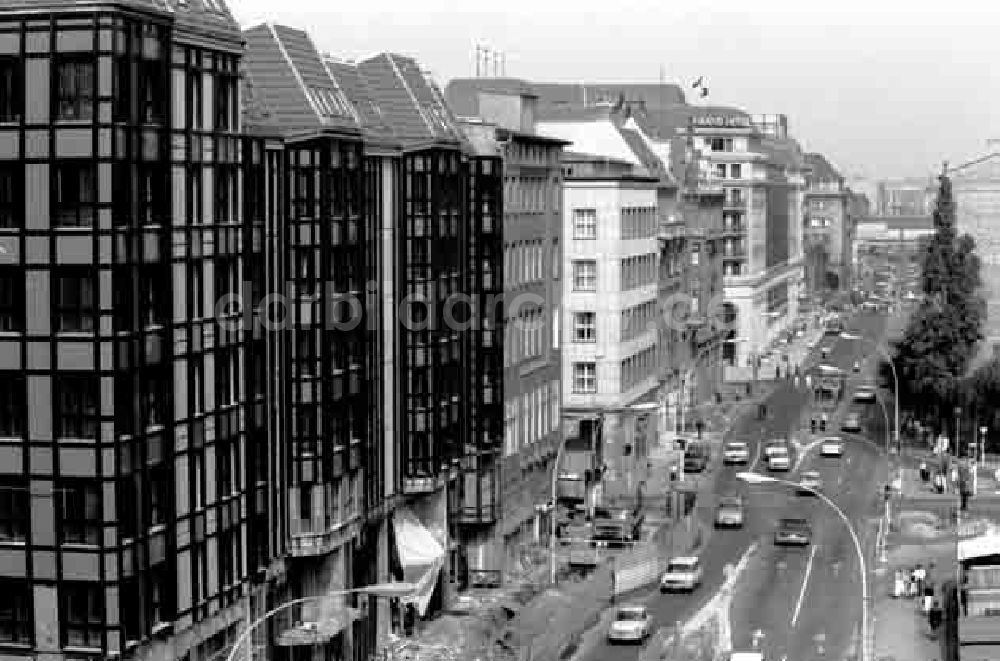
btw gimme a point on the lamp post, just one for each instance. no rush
(378, 590)
(983, 430)
(757, 478)
(895, 378)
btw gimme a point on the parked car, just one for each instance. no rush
(852, 422)
(793, 532)
(736, 452)
(810, 483)
(695, 458)
(865, 393)
(632, 624)
(683, 574)
(729, 513)
(831, 446)
(780, 460)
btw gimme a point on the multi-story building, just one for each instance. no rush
(611, 262)
(828, 226)
(499, 118)
(141, 503)
(976, 190)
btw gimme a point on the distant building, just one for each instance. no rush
(976, 189)
(913, 196)
(828, 226)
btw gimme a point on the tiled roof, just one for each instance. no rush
(208, 18)
(293, 83)
(412, 105)
(354, 86)
(462, 94)
(820, 168)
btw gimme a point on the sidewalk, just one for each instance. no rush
(901, 630)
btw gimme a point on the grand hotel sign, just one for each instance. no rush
(721, 121)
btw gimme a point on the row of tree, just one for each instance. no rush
(934, 355)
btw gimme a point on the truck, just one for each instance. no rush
(618, 518)
(571, 482)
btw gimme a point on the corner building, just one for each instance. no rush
(137, 487)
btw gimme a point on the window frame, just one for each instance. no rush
(91, 624)
(76, 525)
(15, 524)
(11, 195)
(77, 420)
(588, 215)
(589, 331)
(82, 107)
(11, 89)
(19, 618)
(13, 405)
(80, 310)
(12, 300)
(579, 278)
(580, 381)
(79, 208)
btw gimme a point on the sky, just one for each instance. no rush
(883, 89)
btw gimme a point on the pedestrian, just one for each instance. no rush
(935, 616)
(925, 473)
(898, 585)
(796, 381)
(777, 372)
(409, 619)
(915, 587)
(812, 425)
(963, 596)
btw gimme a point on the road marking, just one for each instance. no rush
(756, 459)
(805, 584)
(804, 452)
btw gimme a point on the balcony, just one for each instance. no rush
(734, 228)
(735, 253)
(312, 544)
(671, 231)
(734, 203)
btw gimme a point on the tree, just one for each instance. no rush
(934, 354)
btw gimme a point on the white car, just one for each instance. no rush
(851, 423)
(746, 656)
(832, 446)
(810, 483)
(779, 460)
(864, 394)
(632, 624)
(773, 446)
(736, 452)
(682, 573)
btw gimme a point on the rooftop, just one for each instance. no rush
(462, 94)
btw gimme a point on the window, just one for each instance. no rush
(11, 300)
(584, 378)
(123, 88)
(77, 415)
(13, 405)
(585, 275)
(225, 102)
(81, 614)
(585, 327)
(153, 86)
(720, 170)
(153, 196)
(79, 511)
(11, 195)
(75, 194)
(584, 223)
(160, 499)
(695, 254)
(75, 83)
(195, 99)
(14, 508)
(736, 171)
(16, 616)
(225, 193)
(76, 309)
(11, 89)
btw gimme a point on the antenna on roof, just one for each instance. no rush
(478, 58)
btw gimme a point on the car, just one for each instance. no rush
(810, 483)
(773, 446)
(736, 452)
(729, 513)
(780, 460)
(856, 368)
(831, 446)
(793, 532)
(852, 422)
(695, 458)
(746, 656)
(632, 624)
(865, 393)
(683, 574)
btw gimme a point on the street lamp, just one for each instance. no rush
(757, 478)
(895, 378)
(389, 590)
(983, 430)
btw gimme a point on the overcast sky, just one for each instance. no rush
(884, 89)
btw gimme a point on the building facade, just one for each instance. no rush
(138, 469)
(828, 226)
(499, 118)
(976, 190)
(911, 196)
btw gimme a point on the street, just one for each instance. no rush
(786, 407)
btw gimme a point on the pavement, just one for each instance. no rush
(785, 404)
(805, 604)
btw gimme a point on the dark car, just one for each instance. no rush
(695, 458)
(793, 532)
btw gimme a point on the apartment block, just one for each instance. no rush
(142, 501)
(828, 226)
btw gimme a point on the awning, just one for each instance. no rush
(421, 555)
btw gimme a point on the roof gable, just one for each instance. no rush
(355, 88)
(292, 81)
